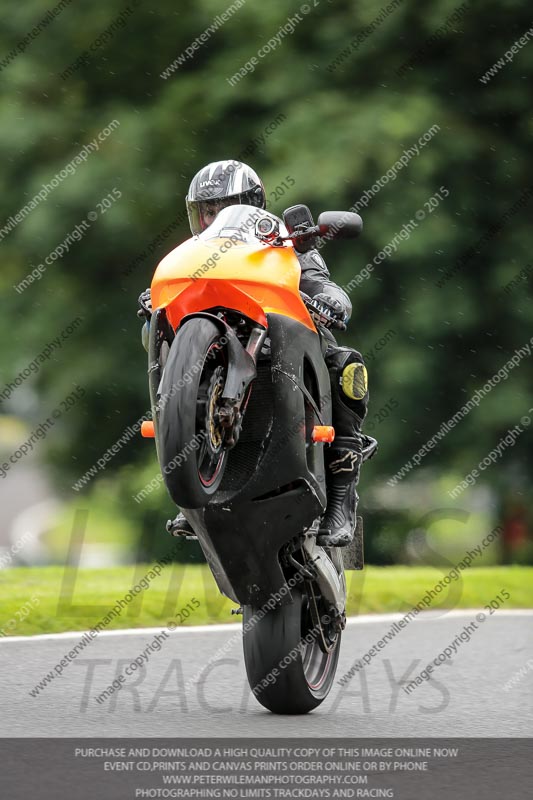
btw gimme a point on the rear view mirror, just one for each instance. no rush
(340, 224)
(296, 217)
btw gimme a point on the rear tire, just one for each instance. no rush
(191, 448)
(301, 685)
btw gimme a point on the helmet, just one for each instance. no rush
(221, 184)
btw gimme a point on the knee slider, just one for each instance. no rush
(349, 385)
(353, 377)
(354, 380)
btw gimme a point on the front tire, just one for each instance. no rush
(285, 675)
(191, 448)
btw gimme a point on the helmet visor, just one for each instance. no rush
(203, 212)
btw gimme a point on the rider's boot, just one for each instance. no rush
(343, 465)
(343, 458)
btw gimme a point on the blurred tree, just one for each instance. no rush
(351, 111)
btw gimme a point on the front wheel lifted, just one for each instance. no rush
(288, 668)
(191, 439)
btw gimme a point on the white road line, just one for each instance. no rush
(364, 619)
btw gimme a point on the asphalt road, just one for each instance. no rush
(466, 697)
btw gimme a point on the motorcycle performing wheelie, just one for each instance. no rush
(242, 414)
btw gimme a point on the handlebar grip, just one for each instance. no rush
(323, 314)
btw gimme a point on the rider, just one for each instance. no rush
(225, 183)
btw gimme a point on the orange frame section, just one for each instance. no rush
(252, 278)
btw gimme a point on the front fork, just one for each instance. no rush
(157, 333)
(231, 410)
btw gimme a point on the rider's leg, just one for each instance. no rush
(349, 391)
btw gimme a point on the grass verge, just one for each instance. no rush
(55, 599)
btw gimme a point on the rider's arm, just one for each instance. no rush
(315, 280)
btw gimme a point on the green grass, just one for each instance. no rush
(52, 605)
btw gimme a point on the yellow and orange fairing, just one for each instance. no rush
(253, 278)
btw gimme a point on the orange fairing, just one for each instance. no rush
(253, 278)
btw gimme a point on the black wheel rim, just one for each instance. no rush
(316, 663)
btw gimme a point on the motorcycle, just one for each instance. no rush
(242, 412)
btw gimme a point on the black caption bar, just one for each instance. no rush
(126, 769)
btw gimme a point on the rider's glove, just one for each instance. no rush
(327, 311)
(145, 304)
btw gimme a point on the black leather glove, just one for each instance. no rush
(326, 311)
(145, 304)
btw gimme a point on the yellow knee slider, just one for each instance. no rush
(354, 381)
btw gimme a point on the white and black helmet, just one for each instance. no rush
(221, 184)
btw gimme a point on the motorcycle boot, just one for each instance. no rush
(343, 458)
(343, 464)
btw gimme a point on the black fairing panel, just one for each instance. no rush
(275, 486)
(160, 340)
